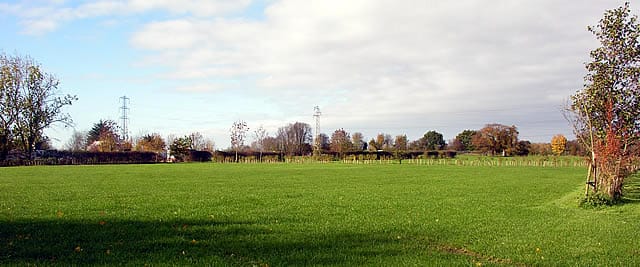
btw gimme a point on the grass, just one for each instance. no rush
(309, 214)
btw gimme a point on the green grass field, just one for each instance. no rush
(309, 214)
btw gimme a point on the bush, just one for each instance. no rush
(596, 200)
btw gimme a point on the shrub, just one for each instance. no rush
(596, 200)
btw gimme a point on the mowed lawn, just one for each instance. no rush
(311, 214)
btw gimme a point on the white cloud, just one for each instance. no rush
(38, 17)
(408, 58)
(368, 64)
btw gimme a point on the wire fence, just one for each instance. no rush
(485, 161)
(461, 161)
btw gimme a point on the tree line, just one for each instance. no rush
(296, 139)
(104, 136)
(30, 102)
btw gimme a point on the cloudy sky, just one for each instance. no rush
(391, 66)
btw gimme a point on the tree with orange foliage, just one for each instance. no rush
(558, 144)
(606, 111)
(496, 139)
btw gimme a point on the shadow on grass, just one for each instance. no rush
(631, 189)
(205, 242)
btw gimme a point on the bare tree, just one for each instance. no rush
(198, 141)
(295, 138)
(357, 139)
(209, 145)
(238, 133)
(260, 134)
(300, 138)
(77, 142)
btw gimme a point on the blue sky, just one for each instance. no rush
(397, 67)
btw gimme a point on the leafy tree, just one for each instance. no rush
(607, 109)
(372, 145)
(340, 141)
(496, 138)
(432, 140)
(29, 103)
(238, 133)
(375, 144)
(180, 148)
(103, 136)
(523, 148)
(323, 139)
(558, 144)
(10, 86)
(150, 142)
(462, 142)
(401, 143)
(381, 142)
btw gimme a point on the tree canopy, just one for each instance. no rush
(103, 136)
(607, 109)
(29, 103)
(496, 138)
(432, 140)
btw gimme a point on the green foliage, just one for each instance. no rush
(613, 75)
(463, 139)
(180, 148)
(596, 200)
(607, 108)
(29, 103)
(313, 214)
(432, 140)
